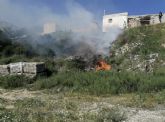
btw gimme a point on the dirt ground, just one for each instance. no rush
(79, 107)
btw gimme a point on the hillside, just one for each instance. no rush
(69, 93)
(140, 49)
(23, 43)
(17, 44)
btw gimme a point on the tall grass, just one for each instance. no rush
(14, 81)
(104, 82)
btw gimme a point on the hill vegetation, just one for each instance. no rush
(69, 93)
(137, 60)
(140, 49)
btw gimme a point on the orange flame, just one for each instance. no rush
(102, 65)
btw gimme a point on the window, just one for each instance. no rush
(110, 20)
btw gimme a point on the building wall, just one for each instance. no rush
(115, 20)
(133, 22)
(155, 19)
(49, 28)
(122, 20)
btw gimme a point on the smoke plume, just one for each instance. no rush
(78, 32)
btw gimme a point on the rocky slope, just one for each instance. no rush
(140, 49)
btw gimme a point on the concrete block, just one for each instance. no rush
(16, 68)
(4, 70)
(33, 67)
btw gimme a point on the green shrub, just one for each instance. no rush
(46, 83)
(6, 116)
(99, 83)
(14, 81)
(111, 115)
(152, 84)
(29, 103)
(51, 67)
(159, 72)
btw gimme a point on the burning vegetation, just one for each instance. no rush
(102, 65)
(89, 63)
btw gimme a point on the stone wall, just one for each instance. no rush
(123, 20)
(136, 21)
(133, 22)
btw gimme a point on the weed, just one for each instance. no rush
(104, 82)
(111, 115)
(14, 81)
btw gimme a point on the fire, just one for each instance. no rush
(102, 65)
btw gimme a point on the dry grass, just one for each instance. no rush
(47, 106)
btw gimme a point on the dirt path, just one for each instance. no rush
(83, 106)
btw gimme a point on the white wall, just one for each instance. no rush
(118, 20)
(155, 19)
(49, 28)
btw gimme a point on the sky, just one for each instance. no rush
(97, 7)
(32, 12)
(84, 16)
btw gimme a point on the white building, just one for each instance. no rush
(122, 20)
(115, 20)
(49, 28)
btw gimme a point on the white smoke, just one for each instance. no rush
(78, 19)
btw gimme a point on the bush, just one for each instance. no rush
(14, 81)
(51, 67)
(111, 115)
(99, 83)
